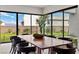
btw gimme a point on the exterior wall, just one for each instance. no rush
(5, 29)
(21, 8)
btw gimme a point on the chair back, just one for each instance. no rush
(66, 51)
(15, 40)
(51, 36)
(64, 38)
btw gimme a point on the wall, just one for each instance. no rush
(74, 24)
(21, 8)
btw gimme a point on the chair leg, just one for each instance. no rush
(18, 52)
(11, 49)
(51, 51)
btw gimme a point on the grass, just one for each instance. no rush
(58, 34)
(5, 37)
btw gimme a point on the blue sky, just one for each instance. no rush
(10, 17)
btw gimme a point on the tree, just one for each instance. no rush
(26, 31)
(9, 30)
(22, 23)
(41, 22)
(1, 22)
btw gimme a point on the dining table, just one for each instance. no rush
(45, 43)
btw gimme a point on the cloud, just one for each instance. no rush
(2, 20)
(6, 14)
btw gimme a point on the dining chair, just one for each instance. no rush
(65, 51)
(19, 46)
(69, 47)
(14, 40)
(67, 39)
(52, 36)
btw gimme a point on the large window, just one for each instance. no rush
(57, 24)
(7, 26)
(66, 24)
(24, 24)
(28, 23)
(48, 25)
(35, 24)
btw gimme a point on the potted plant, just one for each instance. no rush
(38, 36)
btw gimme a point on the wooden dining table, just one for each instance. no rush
(45, 43)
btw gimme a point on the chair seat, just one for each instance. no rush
(62, 47)
(27, 49)
(65, 50)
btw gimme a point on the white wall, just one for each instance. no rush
(74, 24)
(21, 8)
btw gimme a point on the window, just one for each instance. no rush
(7, 26)
(48, 25)
(57, 24)
(24, 24)
(35, 24)
(66, 24)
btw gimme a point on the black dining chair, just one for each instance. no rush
(69, 47)
(22, 48)
(19, 46)
(52, 36)
(67, 39)
(14, 40)
(65, 51)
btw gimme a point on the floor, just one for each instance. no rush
(5, 48)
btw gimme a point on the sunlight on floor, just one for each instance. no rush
(5, 48)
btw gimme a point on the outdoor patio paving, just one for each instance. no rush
(5, 48)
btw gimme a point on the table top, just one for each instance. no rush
(47, 42)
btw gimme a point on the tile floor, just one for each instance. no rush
(5, 48)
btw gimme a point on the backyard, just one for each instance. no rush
(5, 37)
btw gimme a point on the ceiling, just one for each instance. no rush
(38, 6)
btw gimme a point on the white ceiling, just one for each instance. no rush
(36, 9)
(38, 6)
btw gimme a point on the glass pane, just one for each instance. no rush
(7, 26)
(48, 25)
(24, 24)
(35, 24)
(66, 24)
(57, 24)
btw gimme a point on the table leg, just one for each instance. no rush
(38, 50)
(51, 51)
